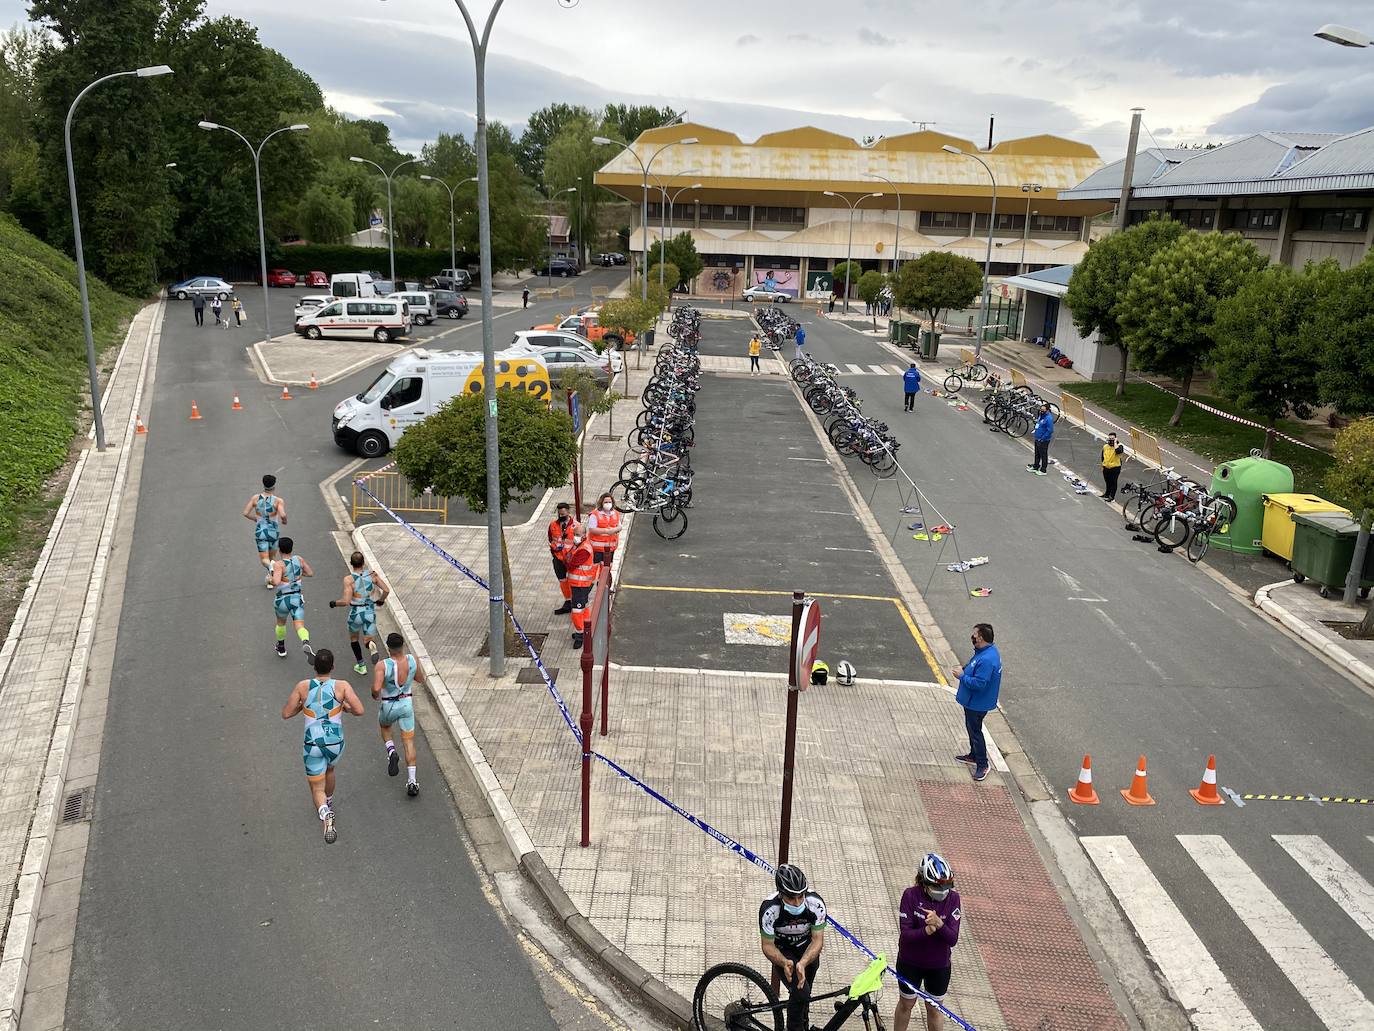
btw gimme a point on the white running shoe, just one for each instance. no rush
(412, 788)
(330, 833)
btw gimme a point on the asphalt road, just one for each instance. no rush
(210, 899)
(1114, 649)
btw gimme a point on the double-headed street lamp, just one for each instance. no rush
(669, 199)
(142, 73)
(257, 184)
(897, 236)
(849, 250)
(557, 193)
(1028, 189)
(390, 227)
(452, 222)
(987, 260)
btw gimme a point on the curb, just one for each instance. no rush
(266, 376)
(1356, 668)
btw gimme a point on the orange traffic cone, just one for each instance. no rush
(195, 412)
(236, 406)
(138, 425)
(1138, 793)
(285, 394)
(1206, 792)
(1083, 792)
(314, 383)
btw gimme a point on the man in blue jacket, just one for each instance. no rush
(1044, 433)
(979, 684)
(911, 386)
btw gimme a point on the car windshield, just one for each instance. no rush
(379, 386)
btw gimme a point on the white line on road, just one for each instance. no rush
(862, 551)
(1196, 979)
(880, 370)
(1336, 877)
(1069, 581)
(857, 370)
(793, 458)
(1086, 599)
(1331, 994)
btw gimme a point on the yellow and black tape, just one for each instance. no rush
(1309, 798)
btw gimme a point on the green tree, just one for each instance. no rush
(542, 128)
(325, 216)
(447, 451)
(1099, 281)
(630, 314)
(671, 276)
(1341, 332)
(572, 159)
(1168, 315)
(1352, 480)
(627, 121)
(19, 185)
(420, 213)
(682, 253)
(871, 285)
(935, 282)
(1261, 360)
(846, 272)
(592, 398)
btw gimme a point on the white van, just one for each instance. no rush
(421, 305)
(417, 383)
(352, 318)
(352, 284)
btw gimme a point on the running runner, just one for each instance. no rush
(324, 700)
(288, 601)
(358, 587)
(394, 689)
(268, 513)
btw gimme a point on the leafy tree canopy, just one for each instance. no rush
(936, 282)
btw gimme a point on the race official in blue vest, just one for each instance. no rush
(980, 682)
(911, 386)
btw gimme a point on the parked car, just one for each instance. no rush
(277, 277)
(311, 303)
(316, 279)
(206, 286)
(558, 267)
(587, 324)
(449, 304)
(455, 279)
(565, 351)
(420, 303)
(759, 292)
(612, 258)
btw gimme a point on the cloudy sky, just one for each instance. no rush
(1073, 67)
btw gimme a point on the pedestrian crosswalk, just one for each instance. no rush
(1214, 1001)
(853, 369)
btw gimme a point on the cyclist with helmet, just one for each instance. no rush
(792, 933)
(928, 922)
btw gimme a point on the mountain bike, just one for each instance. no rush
(735, 997)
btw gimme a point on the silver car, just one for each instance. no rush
(206, 286)
(762, 293)
(560, 358)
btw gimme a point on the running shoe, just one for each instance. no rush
(393, 763)
(1040, 472)
(281, 649)
(360, 668)
(309, 651)
(980, 773)
(372, 650)
(330, 833)
(412, 789)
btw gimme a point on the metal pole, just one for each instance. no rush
(1025, 235)
(585, 722)
(1353, 576)
(848, 253)
(1128, 169)
(606, 659)
(789, 748)
(662, 234)
(390, 231)
(644, 235)
(262, 238)
(452, 233)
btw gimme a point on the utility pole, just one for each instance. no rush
(1128, 169)
(991, 120)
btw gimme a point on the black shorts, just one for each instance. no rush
(580, 595)
(605, 556)
(934, 983)
(559, 569)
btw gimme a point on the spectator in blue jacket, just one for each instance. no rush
(1044, 433)
(979, 684)
(911, 386)
(801, 341)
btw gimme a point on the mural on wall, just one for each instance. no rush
(786, 281)
(718, 282)
(818, 284)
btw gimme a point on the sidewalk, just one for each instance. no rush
(1304, 612)
(43, 666)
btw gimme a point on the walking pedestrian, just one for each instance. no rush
(525, 297)
(268, 513)
(198, 306)
(560, 543)
(980, 682)
(239, 313)
(323, 700)
(603, 529)
(358, 588)
(287, 600)
(831, 309)
(755, 349)
(928, 925)
(801, 340)
(1111, 466)
(216, 306)
(911, 386)
(582, 574)
(792, 933)
(1044, 433)
(397, 708)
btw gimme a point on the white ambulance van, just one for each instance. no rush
(417, 383)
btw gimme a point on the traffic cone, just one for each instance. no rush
(138, 425)
(1138, 793)
(1206, 792)
(285, 394)
(314, 384)
(1083, 792)
(195, 412)
(236, 406)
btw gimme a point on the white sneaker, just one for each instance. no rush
(330, 833)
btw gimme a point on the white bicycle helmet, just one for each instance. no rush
(845, 673)
(936, 875)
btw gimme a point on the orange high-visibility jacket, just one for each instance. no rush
(582, 567)
(598, 523)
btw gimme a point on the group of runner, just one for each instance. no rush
(322, 698)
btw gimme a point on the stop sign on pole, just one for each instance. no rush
(807, 643)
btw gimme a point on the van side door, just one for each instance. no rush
(406, 402)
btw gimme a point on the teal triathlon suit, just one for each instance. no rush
(288, 601)
(266, 530)
(397, 705)
(362, 610)
(324, 741)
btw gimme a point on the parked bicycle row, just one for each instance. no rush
(1014, 410)
(846, 426)
(1176, 513)
(656, 475)
(776, 326)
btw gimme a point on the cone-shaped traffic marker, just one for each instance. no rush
(195, 412)
(1083, 792)
(236, 406)
(285, 394)
(138, 425)
(1206, 792)
(314, 383)
(1138, 793)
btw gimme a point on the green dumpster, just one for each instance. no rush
(894, 331)
(1245, 481)
(930, 344)
(1323, 548)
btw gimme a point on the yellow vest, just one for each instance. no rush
(1110, 459)
(755, 348)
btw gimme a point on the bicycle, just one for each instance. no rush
(736, 997)
(974, 371)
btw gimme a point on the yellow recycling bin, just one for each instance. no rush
(1279, 510)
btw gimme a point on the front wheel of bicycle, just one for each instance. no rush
(978, 372)
(884, 464)
(1197, 545)
(1172, 531)
(736, 997)
(953, 383)
(1132, 509)
(670, 522)
(628, 495)
(1017, 426)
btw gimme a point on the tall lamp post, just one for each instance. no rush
(644, 210)
(142, 73)
(849, 250)
(987, 260)
(556, 193)
(452, 222)
(897, 236)
(668, 201)
(390, 226)
(1028, 189)
(257, 185)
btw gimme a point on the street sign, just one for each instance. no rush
(375, 220)
(807, 643)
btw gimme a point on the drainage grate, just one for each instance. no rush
(76, 806)
(530, 675)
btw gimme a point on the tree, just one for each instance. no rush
(935, 282)
(592, 399)
(682, 252)
(627, 121)
(572, 159)
(542, 128)
(630, 314)
(871, 285)
(846, 273)
(325, 216)
(447, 452)
(1099, 281)
(1352, 480)
(1262, 361)
(670, 274)
(1168, 315)
(1340, 332)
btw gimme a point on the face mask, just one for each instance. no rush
(608, 506)
(795, 910)
(937, 894)
(564, 520)
(577, 538)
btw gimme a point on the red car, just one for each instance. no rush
(280, 277)
(316, 279)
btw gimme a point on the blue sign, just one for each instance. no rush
(375, 220)
(577, 413)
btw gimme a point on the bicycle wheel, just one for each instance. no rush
(736, 997)
(843, 436)
(1172, 531)
(628, 495)
(1017, 426)
(953, 383)
(670, 521)
(634, 469)
(978, 372)
(1197, 545)
(1132, 509)
(884, 465)
(1226, 511)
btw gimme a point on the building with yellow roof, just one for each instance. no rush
(761, 212)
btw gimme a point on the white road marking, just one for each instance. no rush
(1196, 979)
(857, 370)
(1086, 599)
(1336, 877)
(880, 370)
(793, 458)
(895, 370)
(1069, 581)
(862, 551)
(1331, 994)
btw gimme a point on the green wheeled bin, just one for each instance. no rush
(930, 344)
(1245, 481)
(1323, 548)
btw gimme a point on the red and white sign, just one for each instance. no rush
(808, 642)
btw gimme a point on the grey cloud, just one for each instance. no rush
(1310, 102)
(869, 38)
(801, 37)
(748, 41)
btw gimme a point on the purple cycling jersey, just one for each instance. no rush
(916, 948)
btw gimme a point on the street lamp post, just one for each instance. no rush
(849, 250)
(1028, 189)
(897, 236)
(390, 225)
(987, 260)
(257, 185)
(452, 222)
(668, 201)
(142, 73)
(557, 193)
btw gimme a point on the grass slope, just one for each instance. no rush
(43, 358)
